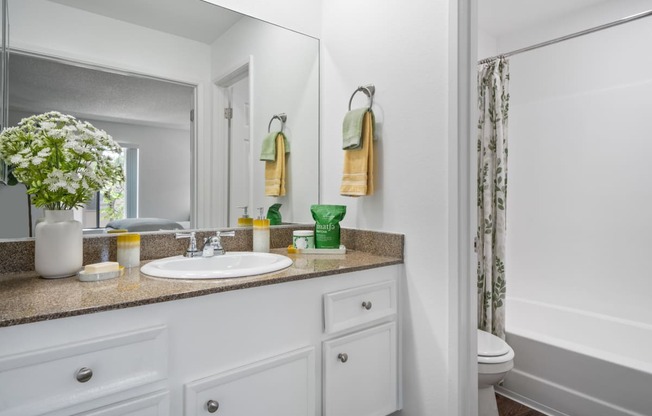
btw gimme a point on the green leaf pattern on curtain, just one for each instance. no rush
(493, 105)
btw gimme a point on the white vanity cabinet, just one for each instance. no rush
(361, 368)
(268, 350)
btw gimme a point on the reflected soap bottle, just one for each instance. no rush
(245, 220)
(261, 232)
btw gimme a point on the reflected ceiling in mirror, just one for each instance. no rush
(128, 66)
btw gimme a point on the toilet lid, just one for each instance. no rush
(490, 345)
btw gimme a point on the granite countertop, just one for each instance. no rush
(28, 298)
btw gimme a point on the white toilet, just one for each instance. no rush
(495, 359)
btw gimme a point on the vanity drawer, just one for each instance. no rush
(60, 376)
(358, 306)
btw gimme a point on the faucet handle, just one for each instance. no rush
(190, 235)
(225, 233)
(191, 251)
(213, 245)
(217, 238)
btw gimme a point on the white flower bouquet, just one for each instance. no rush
(61, 160)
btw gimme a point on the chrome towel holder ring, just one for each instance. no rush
(368, 90)
(282, 117)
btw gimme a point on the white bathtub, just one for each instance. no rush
(570, 362)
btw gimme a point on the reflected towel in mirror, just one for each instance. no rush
(275, 169)
(268, 150)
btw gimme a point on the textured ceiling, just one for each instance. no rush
(40, 85)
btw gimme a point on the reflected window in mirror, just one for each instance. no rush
(119, 201)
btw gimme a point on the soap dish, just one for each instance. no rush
(341, 250)
(96, 277)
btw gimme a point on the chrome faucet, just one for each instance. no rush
(213, 245)
(192, 250)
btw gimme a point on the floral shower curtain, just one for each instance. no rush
(493, 102)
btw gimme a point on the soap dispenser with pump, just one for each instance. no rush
(245, 220)
(261, 232)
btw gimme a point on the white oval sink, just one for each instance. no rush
(231, 264)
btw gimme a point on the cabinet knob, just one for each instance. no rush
(344, 357)
(212, 406)
(366, 305)
(84, 374)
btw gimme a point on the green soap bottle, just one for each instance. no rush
(274, 215)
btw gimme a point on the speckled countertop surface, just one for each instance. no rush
(28, 298)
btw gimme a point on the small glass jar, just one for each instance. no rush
(129, 250)
(303, 239)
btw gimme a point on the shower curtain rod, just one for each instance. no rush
(571, 36)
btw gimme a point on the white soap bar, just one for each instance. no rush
(107, 266)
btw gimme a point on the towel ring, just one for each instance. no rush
(282, 117)
(369, 91)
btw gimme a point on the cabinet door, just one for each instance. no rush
(360, 373)
(277, 386)
(156, 404)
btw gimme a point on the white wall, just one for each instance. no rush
(52, 29)
(487, 44)
(284, 78)
(14, 221)
(581, 19)
(303, 16)
(163, 167)
(579, 170)
(402, 48)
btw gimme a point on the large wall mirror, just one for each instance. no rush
(158, 75)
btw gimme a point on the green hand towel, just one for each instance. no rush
(352, 128)
(268, 151)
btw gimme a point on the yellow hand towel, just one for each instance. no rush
(275, 170)
(358, 177)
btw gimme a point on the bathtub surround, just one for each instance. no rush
(579, 198)
(493, 100)
(591, 365)
(557, 170)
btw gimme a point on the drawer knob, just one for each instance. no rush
(84, 374)
(212, 406)
(366, 305)
(344, 357)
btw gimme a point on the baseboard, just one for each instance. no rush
(527, 402)
(531, 391)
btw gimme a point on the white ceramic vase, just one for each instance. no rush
(59, 245)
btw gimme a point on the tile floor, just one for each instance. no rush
(507, 407)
